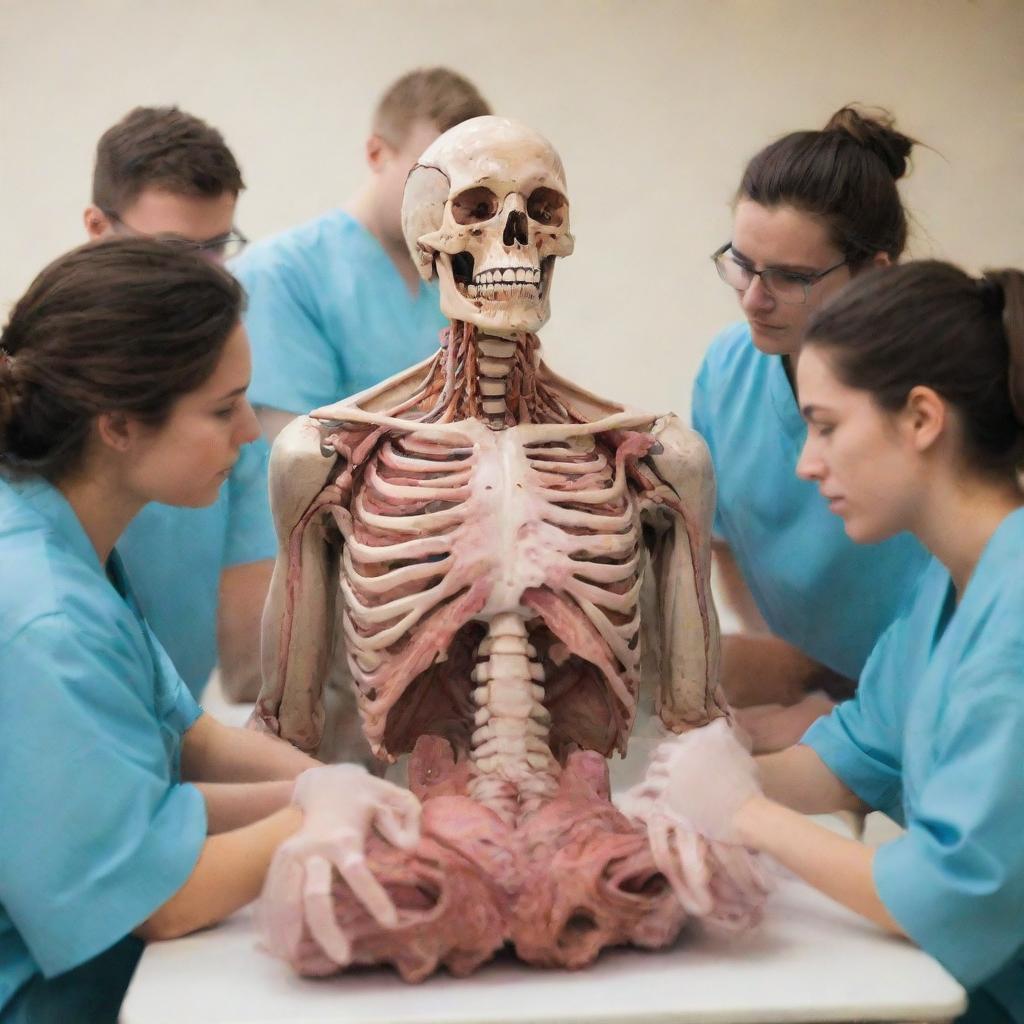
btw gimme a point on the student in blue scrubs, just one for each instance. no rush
(336, 305)
(813, 210)
(129, 815)
(912, 385)
(200, 575)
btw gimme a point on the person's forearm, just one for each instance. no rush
(214, 752)
(836, 866)
(734, 590)
(228, 875)
(243, 591)
(232, 805)
(800, 780)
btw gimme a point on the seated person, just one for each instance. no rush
(336, 305)
(200, 574)
(128, 814)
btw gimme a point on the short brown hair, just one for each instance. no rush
(436, 95)
(845, 174)
(161, 147)
(122, 325)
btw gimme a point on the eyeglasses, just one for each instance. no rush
(223, 247)
(785, 285)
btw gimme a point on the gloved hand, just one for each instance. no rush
(341, 803)
(702, 777)
(694, 785)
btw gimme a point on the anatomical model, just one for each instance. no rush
(508, 551)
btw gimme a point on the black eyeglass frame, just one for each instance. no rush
(806, 280)
(233, 238)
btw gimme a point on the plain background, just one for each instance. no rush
(654, 105)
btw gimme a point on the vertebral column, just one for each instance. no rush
(514, 771)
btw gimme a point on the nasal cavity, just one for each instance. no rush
(515, 228)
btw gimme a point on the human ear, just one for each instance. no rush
(117, 430)
(880, 259)
(924, 417)
(97, 224)
(377, 153)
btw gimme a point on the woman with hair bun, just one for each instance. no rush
(912, 386)
(814, 210)
(128, 814)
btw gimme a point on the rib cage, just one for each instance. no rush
(507, 515)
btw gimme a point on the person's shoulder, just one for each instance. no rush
(54, 586)
(31, 553)
(731, 350)
(294, 248)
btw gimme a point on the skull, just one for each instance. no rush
(485, 209)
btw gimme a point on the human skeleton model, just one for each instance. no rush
(491, 527)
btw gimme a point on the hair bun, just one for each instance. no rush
(874, 131)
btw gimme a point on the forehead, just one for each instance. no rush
(816, 381)
(781, 235)
(157, 210)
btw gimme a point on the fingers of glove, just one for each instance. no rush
(353, 868)
(745, 870)
(398, 820)
(674, 860)
(691, 854)
(318, 901)
(279, 912)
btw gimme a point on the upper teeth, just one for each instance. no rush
(509, 275)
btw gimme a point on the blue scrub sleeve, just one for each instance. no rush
(860, 741)
(955, 880)
(700, 419)
(250, 526)
(294, 362)
(97, 833)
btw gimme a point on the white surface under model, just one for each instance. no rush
(512, 554)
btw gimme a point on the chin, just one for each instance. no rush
(861, 532)
(192, 498)
(771, 343)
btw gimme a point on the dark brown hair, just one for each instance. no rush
(845, 174)
(436, 95)
(161, 147)
(125, 325)
(928, 323)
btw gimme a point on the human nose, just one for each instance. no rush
(249, 426)
(757, 298)
(810, 465)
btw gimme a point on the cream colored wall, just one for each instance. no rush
(654, 105)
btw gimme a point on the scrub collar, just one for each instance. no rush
(784, 401)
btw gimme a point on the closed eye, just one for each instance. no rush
(789, 276)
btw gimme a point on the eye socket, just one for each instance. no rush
(475, 205)
(547, 207)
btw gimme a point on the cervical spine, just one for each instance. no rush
(514, 771)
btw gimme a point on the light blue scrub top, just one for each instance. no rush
(329, 314)
(96, 829)
(815, 588)
(935, 739)
(175, 556)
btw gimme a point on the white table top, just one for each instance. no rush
(811, 960)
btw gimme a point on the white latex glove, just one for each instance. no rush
(701, 778)
(342, 803)
(694, 785)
